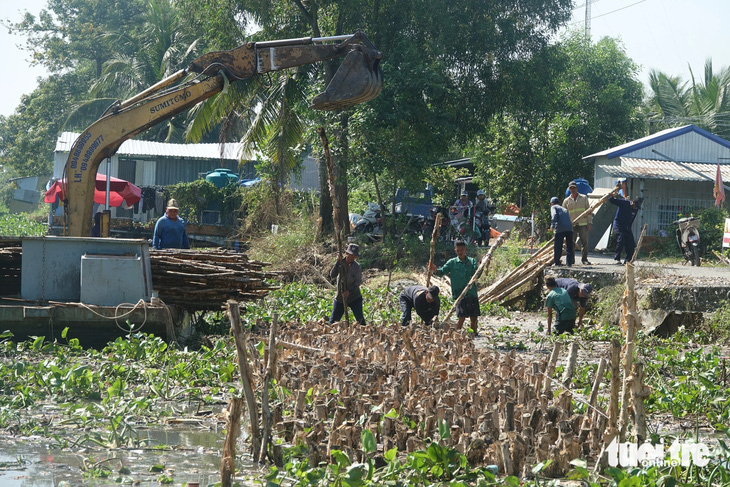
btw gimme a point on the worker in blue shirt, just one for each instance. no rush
(170, 230)
(622, 222)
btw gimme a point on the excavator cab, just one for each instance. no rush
(357, 80)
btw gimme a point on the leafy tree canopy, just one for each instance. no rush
(28, 137)
(586, 98)
(70, 32)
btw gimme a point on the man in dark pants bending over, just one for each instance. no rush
(424, 300)
(559, 300)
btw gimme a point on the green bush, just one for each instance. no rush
(21, 225)
(608, 304)
(199, 195)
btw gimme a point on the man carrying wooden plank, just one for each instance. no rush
(577, 204)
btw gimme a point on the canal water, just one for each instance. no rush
(183, 455)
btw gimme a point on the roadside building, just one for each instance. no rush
(673, 170)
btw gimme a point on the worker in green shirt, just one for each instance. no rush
(559, 300)
(460, 269)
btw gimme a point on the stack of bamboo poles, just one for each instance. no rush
(10, 270)
(205, 280)
(527, 273)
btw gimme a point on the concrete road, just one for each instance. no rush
(709, 270)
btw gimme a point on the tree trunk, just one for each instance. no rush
(325, 202)
(341, 159)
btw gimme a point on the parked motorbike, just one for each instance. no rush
(688, 238)
(462, 225)
(370, 222)
(484, 223)
(430, 222)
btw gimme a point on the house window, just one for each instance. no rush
(667, 210)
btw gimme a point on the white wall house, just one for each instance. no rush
(158, 164)
(673, 170)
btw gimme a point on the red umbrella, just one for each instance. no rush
(119, 191)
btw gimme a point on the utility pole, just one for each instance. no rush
(588, 20)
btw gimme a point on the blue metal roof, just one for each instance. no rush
(652, 139)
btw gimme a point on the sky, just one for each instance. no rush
(668, 35)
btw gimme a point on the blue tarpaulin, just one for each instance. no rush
(583, 187)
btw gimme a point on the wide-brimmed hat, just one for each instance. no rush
(572, 184)
(172, 204)
(432, 292)
(585, 288)
(353, 249)
(555, 200)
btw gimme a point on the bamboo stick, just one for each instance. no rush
(550, 370)
(342, 281)
(570, 366)
(233, 430)
(639, 392)
(629, 322)
(482, 266)
(434, 239)
(638, 244)
(721, 258)
(268, 377)
(246, 377)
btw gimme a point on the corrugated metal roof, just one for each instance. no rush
(655, 139)
(655, 169)
(144, 148)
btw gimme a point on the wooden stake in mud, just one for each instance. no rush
(591, 411)
(270, 375)
(629, 322)
(342, 281)
(552, 363)
(434, 239)
(246, 377)
(638, 244)
(639, 392)
(483, 265)
(615, 385)
(233, 430)
(570, 366)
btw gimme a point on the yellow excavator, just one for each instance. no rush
(357, 80)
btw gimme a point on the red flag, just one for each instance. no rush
(719, 191)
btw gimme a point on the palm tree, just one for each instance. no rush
(268, 115)
(160, 47)
(706, 103)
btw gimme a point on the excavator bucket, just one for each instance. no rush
(357, 80)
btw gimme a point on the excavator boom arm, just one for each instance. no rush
(358, 79)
